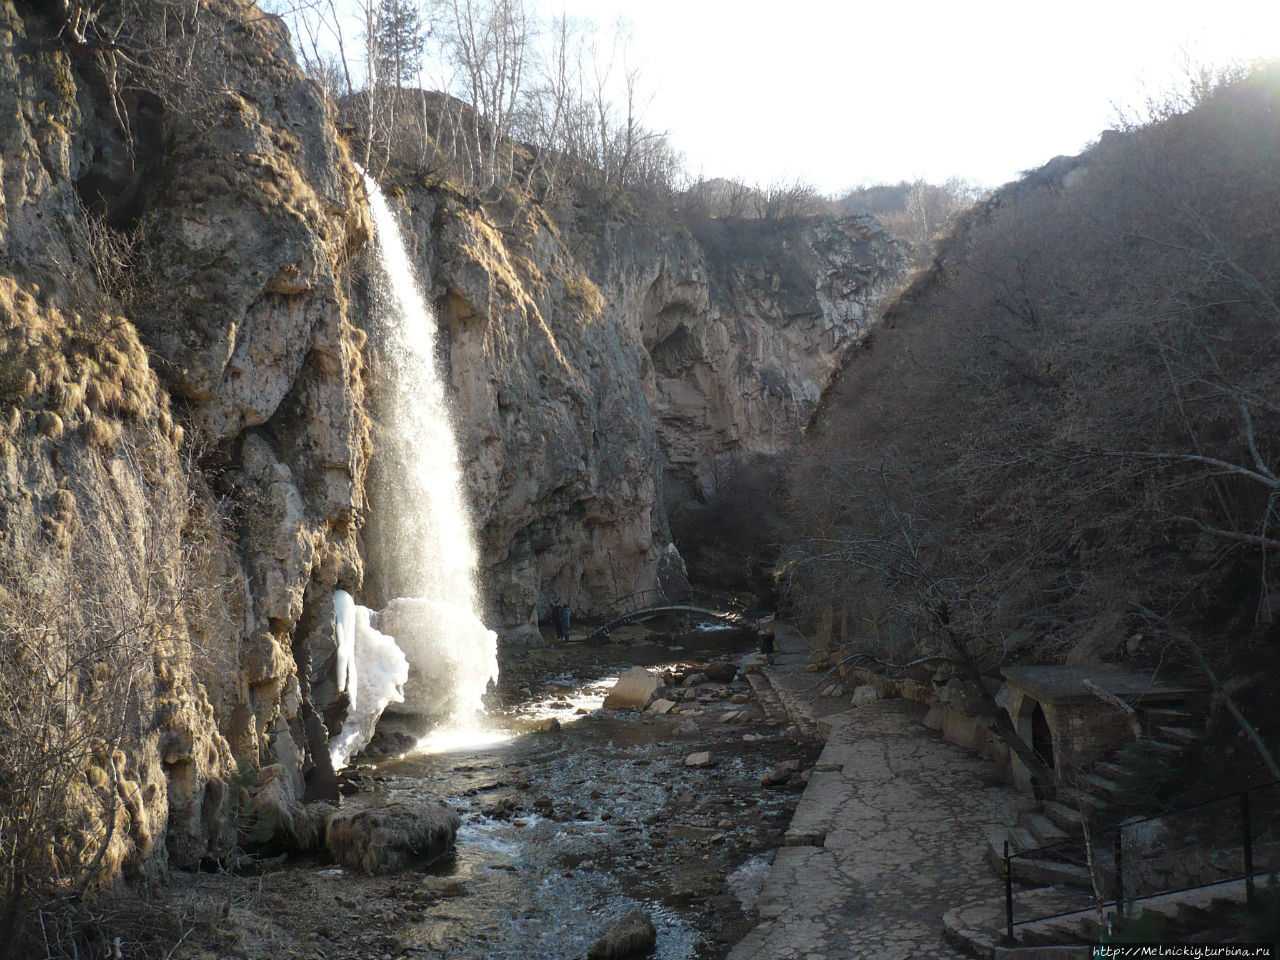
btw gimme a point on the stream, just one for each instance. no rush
(566, 831)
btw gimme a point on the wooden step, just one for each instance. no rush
(1078, 797)
(1100, 786)
(1174, 716)
(1167, 751)
(1112, 771)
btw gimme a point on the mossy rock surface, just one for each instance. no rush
(389, 838)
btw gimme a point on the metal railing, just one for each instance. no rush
(660, 598)
(1224, 839)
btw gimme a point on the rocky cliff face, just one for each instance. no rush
(742, 330)
(606, 377)
(182, 474)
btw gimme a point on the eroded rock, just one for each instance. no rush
(387, 839)
(721, 671)
(633, 936)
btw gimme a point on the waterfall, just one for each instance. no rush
(427, 532)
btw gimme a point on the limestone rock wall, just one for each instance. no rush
(558, 442)
(182, 472)
(602, 377)
(743, 324)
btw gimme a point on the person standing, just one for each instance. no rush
(563, 622)
(555, 617)
(766, 645)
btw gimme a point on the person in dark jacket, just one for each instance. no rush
(562, 624)
(766, 645)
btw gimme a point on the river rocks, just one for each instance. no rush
(633, 936)
(780, 773)
(700, 759)
(547, 725)
(633, 691)
(660, 707)
(388, 838)
(721, 671)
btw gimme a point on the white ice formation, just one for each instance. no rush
(344, 629)
(381, 671)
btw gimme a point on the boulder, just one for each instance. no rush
(864, 695)
(780, 773)
(632, 936)
(386, 839)
(700, 759)
(634, 690)
(661, 706)
(721, 671)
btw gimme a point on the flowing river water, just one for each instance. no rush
(566, 831)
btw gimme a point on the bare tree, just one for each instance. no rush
(488, 40)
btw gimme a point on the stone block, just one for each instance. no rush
(935, 717)
(387, 839)
(864, 695)
(963, 731)
(634, 690)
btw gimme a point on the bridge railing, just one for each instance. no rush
(658, 597)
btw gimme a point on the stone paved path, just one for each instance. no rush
(902, 813)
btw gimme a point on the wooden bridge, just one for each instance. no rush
(648, 604)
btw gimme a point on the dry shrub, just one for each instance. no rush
(1067, 431)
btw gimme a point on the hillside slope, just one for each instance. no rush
(1062, 442)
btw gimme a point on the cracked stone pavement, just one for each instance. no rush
(903, 814)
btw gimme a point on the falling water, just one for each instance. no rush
(452, 655)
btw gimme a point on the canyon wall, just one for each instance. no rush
(182, 474)
(609, 372)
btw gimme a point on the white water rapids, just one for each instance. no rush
(451, 655)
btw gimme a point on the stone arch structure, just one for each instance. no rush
(1069, 726)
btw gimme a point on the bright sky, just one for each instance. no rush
(843, 93)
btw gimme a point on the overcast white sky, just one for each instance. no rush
(842, 93)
